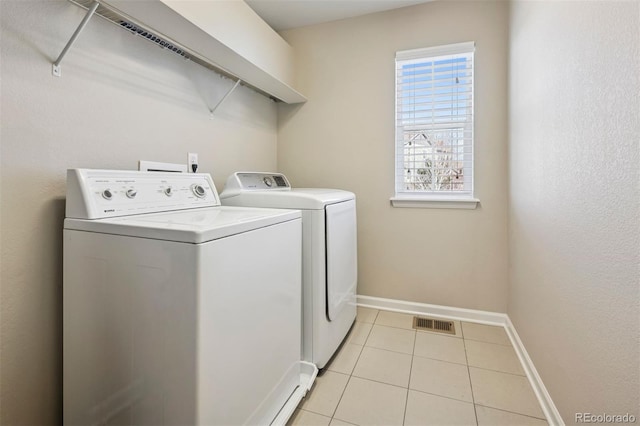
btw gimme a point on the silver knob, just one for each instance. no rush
(107, 194)
(268, 181)
(131, 193)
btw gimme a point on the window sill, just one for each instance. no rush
(435, 202)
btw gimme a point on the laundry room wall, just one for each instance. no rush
(344, 137)
(120, 99)
(574, 115)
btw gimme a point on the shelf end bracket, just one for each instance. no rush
(224, 98)
(56, 70)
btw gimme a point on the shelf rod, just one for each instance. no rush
(56, 65)
(224, 98)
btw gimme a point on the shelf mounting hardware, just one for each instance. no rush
(224, 98)
(56, 65)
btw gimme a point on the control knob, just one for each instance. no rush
(107, 194)
(198, 191)
(131, 193)
(168, 191)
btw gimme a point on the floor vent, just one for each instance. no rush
(431, 324)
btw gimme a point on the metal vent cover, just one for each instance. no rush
(137, 28)
(432, 324)
(154, 38)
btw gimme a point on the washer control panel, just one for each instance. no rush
(96, 194)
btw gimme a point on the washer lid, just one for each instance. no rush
(188, 226)
(297, 198)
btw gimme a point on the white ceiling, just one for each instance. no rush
(287, 14)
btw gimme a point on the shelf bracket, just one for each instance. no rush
(56, 65)
(224, 98)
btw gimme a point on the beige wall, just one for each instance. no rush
(120, 100)
(575, 200)
(343, 137)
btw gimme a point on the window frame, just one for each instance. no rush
(435, 199)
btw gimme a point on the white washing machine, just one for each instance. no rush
(329, 253)
(178, 311)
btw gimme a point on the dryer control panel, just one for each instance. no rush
(97, 194)
(255, 181)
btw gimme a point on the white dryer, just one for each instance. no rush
(329, 253)
(177, 310)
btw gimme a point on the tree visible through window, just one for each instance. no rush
(434, 121)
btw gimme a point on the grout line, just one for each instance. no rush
(312, 412)
(349, 337)
(383, 383)
(365, 342)
(524, 374)
(498, 371)
(473, 398)
(340, 399)
(351, 374)
(357, 359)
(455, 336)
(406, 402)
(443, 396)
(334, 410)
(490, 343)
(440, 360)
(328, 366)
(388, 350)
(376, 317)
(393, 326)
(512, 412)
(343, 421)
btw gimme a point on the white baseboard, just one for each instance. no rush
(482, 317)
(437, 311)
(546, 403)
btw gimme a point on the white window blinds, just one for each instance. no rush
(434, 121)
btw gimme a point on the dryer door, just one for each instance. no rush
(342, 260)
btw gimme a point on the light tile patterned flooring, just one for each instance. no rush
(387, 373)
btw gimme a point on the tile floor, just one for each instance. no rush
(387, 373)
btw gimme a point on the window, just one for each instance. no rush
(434, 127)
